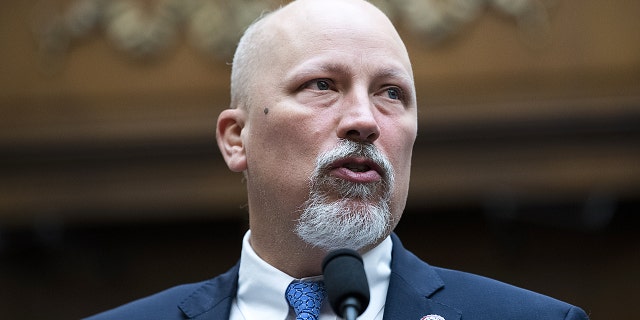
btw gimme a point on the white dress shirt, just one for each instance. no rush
(261, 287)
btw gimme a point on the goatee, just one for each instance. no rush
(344, 214)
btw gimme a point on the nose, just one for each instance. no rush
(358, 122)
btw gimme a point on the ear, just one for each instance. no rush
(229, 137)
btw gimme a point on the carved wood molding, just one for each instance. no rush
(146, 29)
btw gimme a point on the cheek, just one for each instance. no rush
(283, 151)
(401, 156)
(398, 146)
(398, 140)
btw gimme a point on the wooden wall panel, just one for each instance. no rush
(98, 131)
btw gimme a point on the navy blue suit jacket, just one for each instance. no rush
(416, 289)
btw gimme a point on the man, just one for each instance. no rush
(322, 123)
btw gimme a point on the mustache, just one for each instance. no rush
(351, 149)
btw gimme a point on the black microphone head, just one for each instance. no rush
(345, 280)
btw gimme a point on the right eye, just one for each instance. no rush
(322, 85)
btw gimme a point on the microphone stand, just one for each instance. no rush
(350, 309)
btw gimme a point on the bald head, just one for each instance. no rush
(304, 78)
(315, 15)
(303, 27)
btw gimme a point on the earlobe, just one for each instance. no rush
(229, 136)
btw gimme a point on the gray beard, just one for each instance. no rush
(342, 214)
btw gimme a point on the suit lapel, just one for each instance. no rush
(212, 301)
(411, 286)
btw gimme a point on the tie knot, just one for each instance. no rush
(306, 298)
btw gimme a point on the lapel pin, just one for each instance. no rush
(432, 317)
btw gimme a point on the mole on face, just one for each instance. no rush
(266, 110)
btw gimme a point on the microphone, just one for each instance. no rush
(346, 283)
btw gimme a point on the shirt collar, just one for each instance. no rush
(261, 287)
(377, 266)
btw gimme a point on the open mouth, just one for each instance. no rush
(358, 169)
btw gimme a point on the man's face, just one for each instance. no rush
(330, 79)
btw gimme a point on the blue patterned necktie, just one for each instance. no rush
(306, 298)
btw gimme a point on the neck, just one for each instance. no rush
(285, 251)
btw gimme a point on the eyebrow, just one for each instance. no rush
(394, 73)
(343, 70)
(332, 68)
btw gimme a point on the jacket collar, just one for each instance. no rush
(212, 300)
(412, 285)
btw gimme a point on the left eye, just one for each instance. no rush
(394, 93)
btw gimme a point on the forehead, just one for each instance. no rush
(302, 19)
(346, 34)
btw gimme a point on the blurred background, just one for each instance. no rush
(526, 167)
